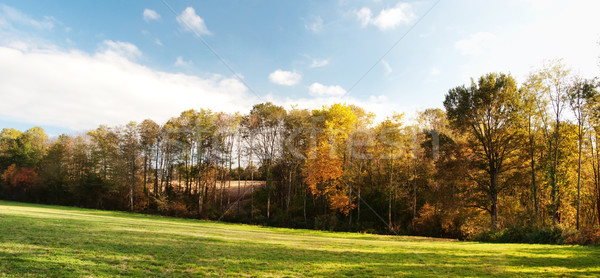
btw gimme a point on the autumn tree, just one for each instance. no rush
(554, 79)
(578, 95)
(325, 160)
(149, 133)
(390, 147)
(534, 113)
(489, 112)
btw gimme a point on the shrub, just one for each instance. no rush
(178, 209)
(585, 236)
(524, 234)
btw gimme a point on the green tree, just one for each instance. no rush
(578, 95)
(489, 112)
(554, 79)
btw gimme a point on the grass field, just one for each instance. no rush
(52, 241)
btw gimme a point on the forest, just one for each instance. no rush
(503, 161)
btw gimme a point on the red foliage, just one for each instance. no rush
(24, 177)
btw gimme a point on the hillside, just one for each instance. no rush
(52, 241)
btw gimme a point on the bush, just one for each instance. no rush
(525, 234)
(171, 207)
(326, 222)
(178, 209)
(585, 236)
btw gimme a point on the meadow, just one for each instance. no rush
(54, 241)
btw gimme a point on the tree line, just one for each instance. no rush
(500, 155)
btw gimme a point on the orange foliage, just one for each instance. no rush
(324, 166)
(21, 177)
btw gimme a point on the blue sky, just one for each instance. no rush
(70, 66)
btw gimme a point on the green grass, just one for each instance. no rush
(52, 241)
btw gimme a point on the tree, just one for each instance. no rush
(532, 97)
(149, 132)
(489, 112)
(324, 165)
(553, 77)
(578, 95)
(390, 145)
(360, 150)
(295, 146)
(267, 126)
(129, 151)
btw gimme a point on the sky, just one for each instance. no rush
(71, 66)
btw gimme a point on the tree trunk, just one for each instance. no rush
(596, 171)
(494, 199)
(289, 194)
(533, 184)
(349, 205)
(200, 199)
(358, 208)
(579, 175)
(268, 203)
(229, 174)
(222, 185)
(304, 207)
(390, 195)
(146, 182)
(414, 203)
(269, 181)
(252, 189)
(239, 183)
(554, 169)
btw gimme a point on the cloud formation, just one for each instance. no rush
(182, 63)
(378, 104)
(286, 78)
(192, 22)
(76, 90)
(318, 89)
(316, 25)
(387, 18)
(123, 49)
(150, 15)
(318, 63)
(10, 16)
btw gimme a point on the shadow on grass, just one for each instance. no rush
(68, 247)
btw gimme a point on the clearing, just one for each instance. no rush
(53, 241)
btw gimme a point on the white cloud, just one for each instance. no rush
(315, 26)
(434, 71)
(103, 88)
(318, 89)
(158, 42)
(121, 49)
(192, 22)
(380, 104)
(317, 63)
(10, 15)
(181, 63)
(150, 15)
(390, 18)
(476, 43)
(364, 16)
(387, 18)
(286, 78)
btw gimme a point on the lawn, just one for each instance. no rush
(53, 241)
